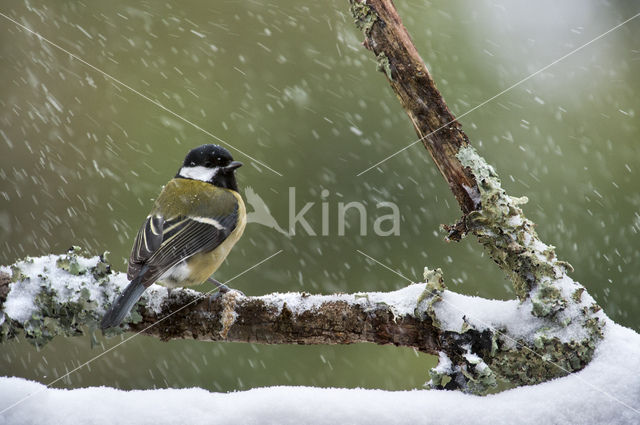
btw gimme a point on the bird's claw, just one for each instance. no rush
(222, 290)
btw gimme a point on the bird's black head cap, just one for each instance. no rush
(212, 164)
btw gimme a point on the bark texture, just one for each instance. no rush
(63, 295)
(236, 318)
(435, 125)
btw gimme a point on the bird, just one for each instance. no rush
(193, 225)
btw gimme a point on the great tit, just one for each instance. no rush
(194, 223)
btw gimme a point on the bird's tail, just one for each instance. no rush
(125, 302)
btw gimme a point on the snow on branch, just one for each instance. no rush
(59, 295)
(477, 340)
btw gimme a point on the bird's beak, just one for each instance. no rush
(233, 166)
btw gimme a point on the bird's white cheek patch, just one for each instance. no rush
(198, 173)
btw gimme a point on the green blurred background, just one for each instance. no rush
(289, 83)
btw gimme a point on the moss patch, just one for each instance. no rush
(511, 240)
(537, 275)
(548, 358)
(431, 294)
(364, 16)
(383, 65)
(60, 308)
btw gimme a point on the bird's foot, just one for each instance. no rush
(222, 289)
(213, 298)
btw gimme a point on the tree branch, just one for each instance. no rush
(539, 279)
(65, 295)
(56, 295)
(477, 340)
(437, 128)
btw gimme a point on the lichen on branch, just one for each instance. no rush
(481, 340)
(485, 340)
(540, 281)
(62, 294)
(564, 323)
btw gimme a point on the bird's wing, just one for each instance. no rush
(147, 241)
(165, 239)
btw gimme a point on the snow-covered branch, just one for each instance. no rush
(477, 340)
(55, 295)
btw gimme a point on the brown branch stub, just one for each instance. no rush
(397, 57)
(456, 231)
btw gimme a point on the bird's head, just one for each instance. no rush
(212, 164)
